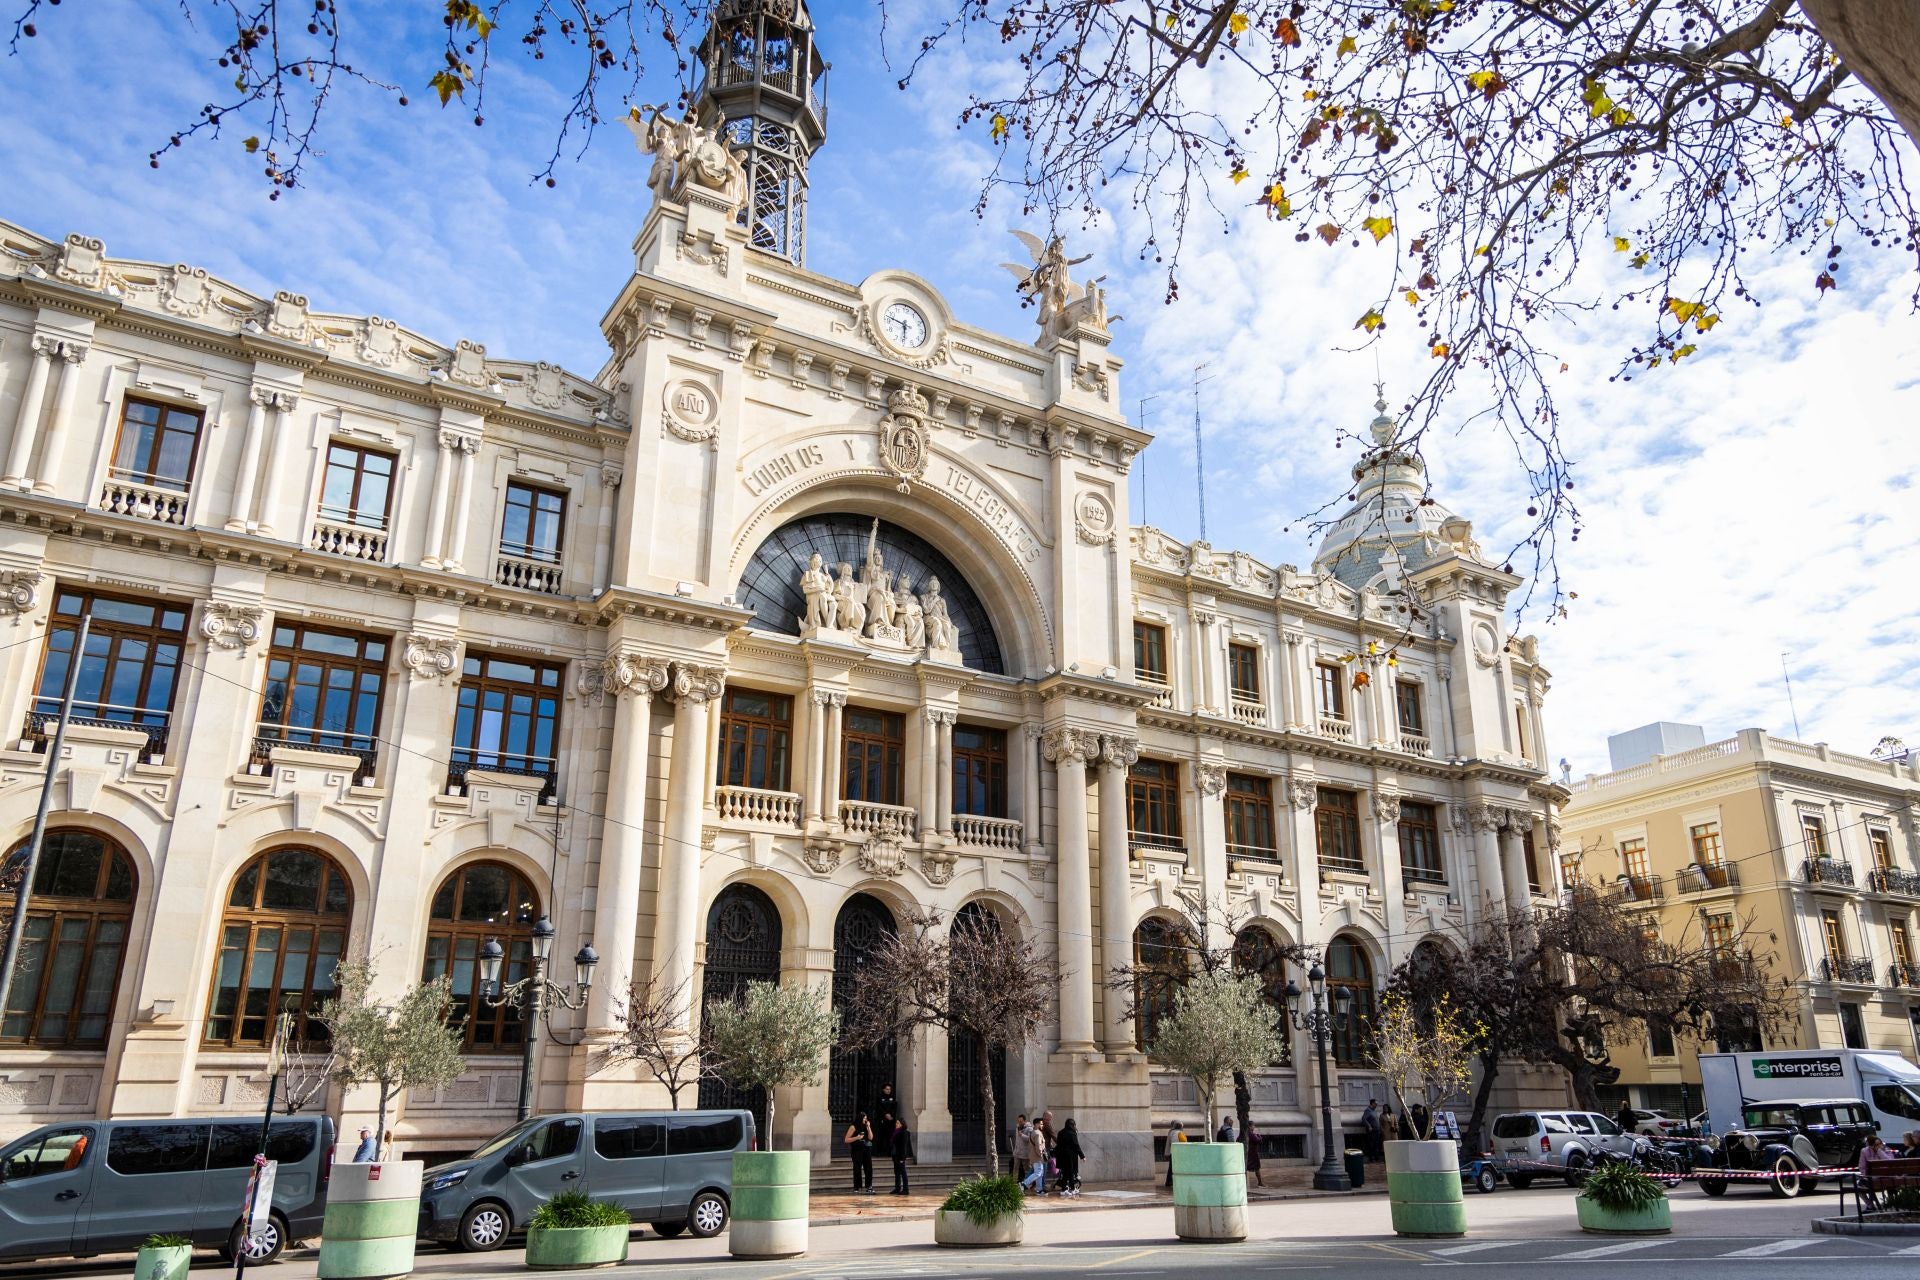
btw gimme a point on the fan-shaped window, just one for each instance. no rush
(284, 931)
(477, 902)
(74, 940)
(771, 585)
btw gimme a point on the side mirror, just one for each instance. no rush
(519, 1156)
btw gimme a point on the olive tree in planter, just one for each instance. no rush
(571, 1230)
(1426, 1057)
(1220, 1024)
(163, 1257)
(1619, 1199)
(770, 1037)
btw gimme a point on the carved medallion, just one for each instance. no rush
(821, 856)
(883, 855)
(690, 411)
(1093, 519)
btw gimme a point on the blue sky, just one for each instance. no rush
(1757, 501)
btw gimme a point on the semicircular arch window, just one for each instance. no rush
(771, 584)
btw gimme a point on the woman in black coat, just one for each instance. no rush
(1067, 1151)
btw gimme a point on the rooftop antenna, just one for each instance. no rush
(1144, 402)
(1199, 448)
(1790, 707)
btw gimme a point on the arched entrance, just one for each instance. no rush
(855, 1077)
(743, 945)
(1349, 967)
(964, 1099)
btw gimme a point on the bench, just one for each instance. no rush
(1882, 1176)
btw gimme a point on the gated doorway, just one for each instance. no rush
(743, 945)
(964, 1097)
(855, 1077)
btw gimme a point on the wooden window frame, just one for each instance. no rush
(746, 738)
(1900, 941)
(1330, 690)
(1408, 694)
(1336, 830)
(1813, 833)
(891, 751)
(1155, 637)
(1351, 1040)
(1251, 830)
(1420, 823)
(472, 1013)
(256, 918)
(117, 636)
(528, 550)
(352, 514)
(1833, 932)
(148, 476)
(477, 683)
(272, 733)
(1633, 863)
(1880, 848)
(1709, 850)
(985, 766)
(1153, 803)
(59, 911)
(1243, 658)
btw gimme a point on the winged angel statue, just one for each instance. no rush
(1063, 304)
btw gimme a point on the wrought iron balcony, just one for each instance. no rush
(1641, 889)
(1699, 879)
(360, 747)
(1894, 880)
(102, 715)
(1846, 969)
(546, 768)
(1827, 871)
(1252, 852)
(1903, 975)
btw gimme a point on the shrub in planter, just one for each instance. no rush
(982, 1213)
(571, 1230)
(163, 1257)
(1619, 1199)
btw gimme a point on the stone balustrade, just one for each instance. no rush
(1416, 744)
(1338, 730)
(352, 541)
(862, 817)
(122, 495)
(1249, 711)
(987, 833)
(766, 808)
(529, 575)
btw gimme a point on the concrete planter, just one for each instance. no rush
(170, 1263)
(1423, 1189)
(1209, 1190)
(1655, 1219)
(557, 1248)
(954, 1230)
(769, 1204)
(373, 1212)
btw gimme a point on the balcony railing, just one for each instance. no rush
(1156, 681)
(1416, 744)
(1903, 975)
(1357, 866)
(988, 833)
(1699, 879)
(1827, 871)
(1337, 729)
(749, 804)
(1846, 969)
(125, 493)
(1155, 845)
(358, 746)
(863, 817)
(527, 574)
(546, 768)
(1894, 880)
(1248, 710)
(1641, 889)
(350, 539)
(102, 715)
(1252, 852)
(1423, 875)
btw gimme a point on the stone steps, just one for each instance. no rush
(836, 1178)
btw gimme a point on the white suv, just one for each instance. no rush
(1541, 1143)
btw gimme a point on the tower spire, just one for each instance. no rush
(763, 76)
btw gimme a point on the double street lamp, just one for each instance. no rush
(532, 993)
(1319, 1022)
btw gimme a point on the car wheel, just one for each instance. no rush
(1787, 1181)
(260, 1249)
(484, 1227)
(707, 1215)
(668, 1230)
(1486, 1180)
(1576, 1168)
(1714, 1186)
(1519, 1181)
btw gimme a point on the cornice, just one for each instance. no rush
(631, 602)
(70, 298)
(1115, 693)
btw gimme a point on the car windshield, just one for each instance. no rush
(512, 1136)
(1772, 1117)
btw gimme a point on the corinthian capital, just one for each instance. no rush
(697, 683)
(1070, 746)
(1487, 817)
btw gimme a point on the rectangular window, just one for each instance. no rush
(875, 749)
(1150, 652)
(357, 487)
(1813, 830)
(1882, 847)
(1572, 870)
(1902, 949)
(323, 691)
(1420, 843)
(1336, 823)
(1835, 935)
(535, 519)
(1153, 803)
(1718, 931)
(755, 735)
(618, 1138)
(1243, 671)
(1533, 861)
(1250, 816)
(1853, 1027)
(158, 1148)
(130, 667)
(1633, 861)
(979, 771)
(1659, 1040)
(1406, 701)
(1329, 680)
(508, 718)
(697, 1137)
(157, 445)
(1707, 850)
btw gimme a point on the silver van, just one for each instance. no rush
(104, 1186)
(1545, 1143)
(673, 1169)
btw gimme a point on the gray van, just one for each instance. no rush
(104, 1186)
(673, 1169)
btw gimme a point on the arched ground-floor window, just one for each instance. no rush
(74, 941)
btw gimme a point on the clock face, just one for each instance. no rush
(904, 326)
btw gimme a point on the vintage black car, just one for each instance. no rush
(1786, 1141)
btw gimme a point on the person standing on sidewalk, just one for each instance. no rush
(1226, 1133)
(1068, 1152)
(859, 1141)
(1036, 1178)
(368, 1151)
(901, 1149)
(1174, 1134)
(1370, 1123)
(1251, 1138)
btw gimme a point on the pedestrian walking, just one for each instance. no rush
(1370, 1125)
(1624, 1117)
(1226, 1133)
(1049, 1136)
(1022, 1148)
(1420, 1121)
(1388, 1129)
(1037, 1150)
(368, 1151)
(1251, 1139)
(901, 1149)
(859, 1140)
(1174, 1134)
(1067, 1151)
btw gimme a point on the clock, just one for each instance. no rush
(904, 326)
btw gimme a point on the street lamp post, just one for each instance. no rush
(533, 992)
(1319, 1023)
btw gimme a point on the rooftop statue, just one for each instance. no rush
(684, 152)
(1047, 284)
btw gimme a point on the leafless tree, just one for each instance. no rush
(305, 1073)
(652, 1032)
(976, 979)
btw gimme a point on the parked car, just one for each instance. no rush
(104, 1186)
(1569, 1141)
(673, 1169)
(1656, 1124)
(1788, 1140)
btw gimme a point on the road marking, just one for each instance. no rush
(1773, 1247)
(1606, 1250)
(1397, 1251)
(1125, 1257)
(1451, 1250)
(1906, 1253)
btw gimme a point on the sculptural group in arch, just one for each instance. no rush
(876, 608)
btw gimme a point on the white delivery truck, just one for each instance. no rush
(1885, 1081)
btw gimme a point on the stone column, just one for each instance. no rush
(71, 354)
(1205, 696)
(631, 680)
(1485, 820)
(927, 799)
(830, 756)
(1207, 852)
(1388, 879)
(943, 777)
(1513, 857)
(1069, 750)
(26, 422)
(611, 475)
(1029, 737)
(443, 465)
(285, 451)
(240, 517)
(456, 557)
(819, 703)
(1300, 713)
(1117, 755)
(1303, 791)
(678, 895)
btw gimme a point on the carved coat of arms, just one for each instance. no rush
(903, 436)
